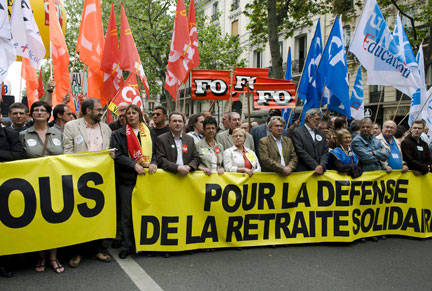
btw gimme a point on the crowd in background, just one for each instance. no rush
(199, 143)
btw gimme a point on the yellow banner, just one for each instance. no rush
(175, 213)
(56, 201)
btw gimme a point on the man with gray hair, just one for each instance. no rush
(225, 137)
(277, 152)
(311, 145)
(369, 149)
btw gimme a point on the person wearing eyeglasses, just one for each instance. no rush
(41, 140)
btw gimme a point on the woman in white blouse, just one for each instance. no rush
(238, 158)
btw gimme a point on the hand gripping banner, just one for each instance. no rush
(59, 201)
(175, 213)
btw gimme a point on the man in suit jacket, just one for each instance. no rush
(311, 145)
(225, 137)
(276, 151)
(87, 133)
(176, 151)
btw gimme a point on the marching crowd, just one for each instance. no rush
(169, 142)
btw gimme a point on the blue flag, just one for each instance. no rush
(288, 74)
(332, 72)
(286, 112)
(357, 98)
(307, 89)
(307, 81)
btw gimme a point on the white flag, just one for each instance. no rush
(25, 33)
(7, 52)
(427, 112)
(374, 46)
(419, 97)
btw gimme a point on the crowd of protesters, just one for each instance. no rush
(180, 146)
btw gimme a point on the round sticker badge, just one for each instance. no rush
(318, 137)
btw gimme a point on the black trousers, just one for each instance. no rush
(126, 227)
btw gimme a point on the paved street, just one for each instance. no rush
(392, 264)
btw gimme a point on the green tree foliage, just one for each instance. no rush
(151, 22)
(271, 20)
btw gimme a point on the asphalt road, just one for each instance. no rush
(392, 264)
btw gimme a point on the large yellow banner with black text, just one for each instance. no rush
(56, 201)
(175, 213)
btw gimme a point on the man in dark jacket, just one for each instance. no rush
(10, 149)
(415, 151)
(176, 151)
(311, 145)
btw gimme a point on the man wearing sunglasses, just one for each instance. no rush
(159, 118)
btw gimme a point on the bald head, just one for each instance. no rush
(121, 111)
(389, 128)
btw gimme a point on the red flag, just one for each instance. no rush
(180, 57)
(41, 91)
(129, 93)
(60, 58)
(3, 91)
(111, 59)
(210, 85)
(129, 57)
(29, 75)
(193, 35)
(90, 47)
(274, 93)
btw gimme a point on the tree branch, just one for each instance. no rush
(284, 11)
(407, 16)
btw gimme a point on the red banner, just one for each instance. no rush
(210, 85)
(243, 76)
(274, 93)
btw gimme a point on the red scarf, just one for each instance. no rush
(134, 147)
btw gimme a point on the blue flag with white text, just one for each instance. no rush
(357, 98)
(333, 71)
(307, 89)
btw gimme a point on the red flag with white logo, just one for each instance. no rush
(273, 93)
(129, 57)
(181, 52)
(41, 91)
(193, 35)
(129, 93)
(113, 78)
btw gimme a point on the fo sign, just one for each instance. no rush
(210, 85)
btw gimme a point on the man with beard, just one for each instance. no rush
(88, 134)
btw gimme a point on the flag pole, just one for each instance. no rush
(248, 103)
(378, 106)
(397, 108)
(289, 117)
(177, 100)
(406, 115)
(184, 98)
(230, 89)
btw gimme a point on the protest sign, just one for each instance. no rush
(61, 200)
(176, 213)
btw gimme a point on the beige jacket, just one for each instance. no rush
(75, 137)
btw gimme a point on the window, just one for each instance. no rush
(300, 53)
(347, 35)
(235, 5)
(376, 93)
(215, 12)
(400, 95)
(234, 28)
(257, 59)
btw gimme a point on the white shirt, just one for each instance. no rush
(179, 146)
(233, 159)
(195, 136)
(279, 146)
(311, 132)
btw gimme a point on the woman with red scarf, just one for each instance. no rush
(135, 155)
